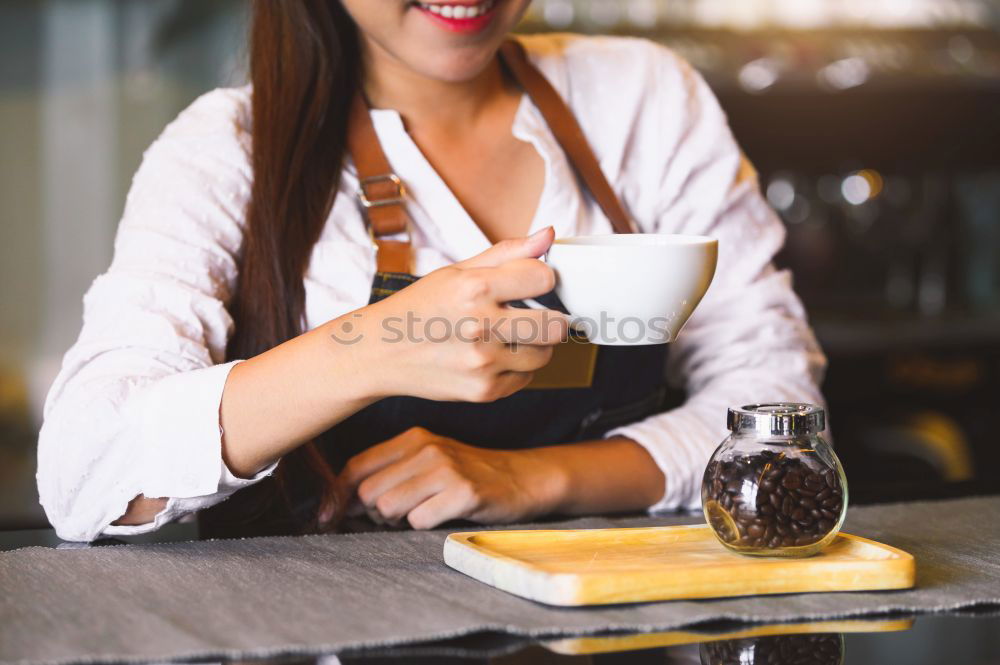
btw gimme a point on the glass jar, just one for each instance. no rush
(775, 486)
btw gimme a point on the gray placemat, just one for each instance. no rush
(324, 594)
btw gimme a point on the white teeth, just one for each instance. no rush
(459, 11)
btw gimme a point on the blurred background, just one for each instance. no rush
(875, 127)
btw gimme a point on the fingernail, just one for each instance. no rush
(539, 232)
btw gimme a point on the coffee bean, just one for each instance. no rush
(792, 480)
(813, 481)
(825, 525)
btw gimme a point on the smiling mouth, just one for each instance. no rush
(457, 12)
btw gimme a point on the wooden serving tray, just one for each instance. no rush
(603, 566)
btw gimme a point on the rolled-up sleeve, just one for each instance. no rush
(749, 340)
(135, 407)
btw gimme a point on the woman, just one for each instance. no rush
(242, 320)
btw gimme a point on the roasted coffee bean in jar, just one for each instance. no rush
(775, 486)
(818, 649)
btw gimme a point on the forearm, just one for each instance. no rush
(610, 475)
(280, 399)
(274, 402)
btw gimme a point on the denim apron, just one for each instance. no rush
(627, 385)
(627, 382)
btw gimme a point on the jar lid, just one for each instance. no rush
(778, 419)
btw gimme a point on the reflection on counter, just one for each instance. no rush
(727, 639)
(926, 640)
(779, 650)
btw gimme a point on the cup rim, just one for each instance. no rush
(636, 240)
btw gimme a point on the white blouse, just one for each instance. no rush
(135, 407)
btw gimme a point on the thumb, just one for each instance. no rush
(530, 247)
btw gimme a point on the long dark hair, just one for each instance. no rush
(305, 66)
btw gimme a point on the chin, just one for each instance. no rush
(458, 65)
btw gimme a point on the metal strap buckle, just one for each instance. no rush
(391, 177)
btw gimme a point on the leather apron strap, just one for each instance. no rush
(382, 194)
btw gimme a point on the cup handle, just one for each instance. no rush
(574, 321)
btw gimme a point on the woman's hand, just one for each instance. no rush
(429, 479)
(450, 336)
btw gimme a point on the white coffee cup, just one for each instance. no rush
(632, 289)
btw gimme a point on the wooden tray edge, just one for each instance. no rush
(518, 578)
(577, 589)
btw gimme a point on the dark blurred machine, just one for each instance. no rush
(875, 128)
